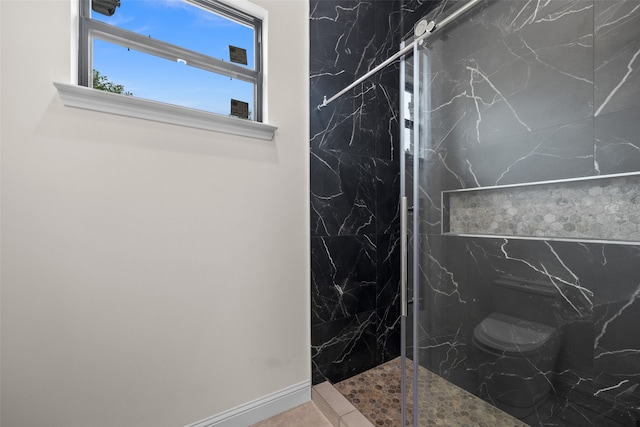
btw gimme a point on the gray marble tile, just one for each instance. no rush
(443, 101)
(497, 19)
(444, 174)
(617, 55)
(616, 345)
(563, 151)
(617, 142)
(616, 273)
(512, 93)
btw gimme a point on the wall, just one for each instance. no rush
(355, 184)
(152, 275)
(523, 92)
(354, 188)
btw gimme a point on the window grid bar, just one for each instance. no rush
(226, 11)
(168, 51)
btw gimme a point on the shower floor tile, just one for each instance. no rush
(377, 394)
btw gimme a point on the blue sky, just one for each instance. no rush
(184, 24)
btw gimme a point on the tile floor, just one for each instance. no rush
(377, 394)
(307, 415)
(373, 398)
(338, 410)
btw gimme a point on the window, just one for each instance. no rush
(201, 54)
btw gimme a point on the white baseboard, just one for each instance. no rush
(260, 409)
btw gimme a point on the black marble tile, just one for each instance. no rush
(325, 80)
(617, 142)
(345, 26)
(343, 348)
(343, 276)
(386, 132)
(339, 126)
(386, 21)
(387, 196)
(363, 122)
(374, 114)
(343, 192)
(388, 279)
(388, 334)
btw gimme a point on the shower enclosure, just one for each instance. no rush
(521, 169)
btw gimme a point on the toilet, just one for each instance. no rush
(517, 344)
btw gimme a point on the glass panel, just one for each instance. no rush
(539, 328)
(418, 170)
(150, 77)
(183, 24)
(407, 186)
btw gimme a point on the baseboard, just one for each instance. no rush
(260, 409)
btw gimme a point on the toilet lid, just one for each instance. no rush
(507, 333)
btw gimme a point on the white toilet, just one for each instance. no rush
(517, 344)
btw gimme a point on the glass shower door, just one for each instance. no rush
(406, 207)
(411, 129)
(422, 221)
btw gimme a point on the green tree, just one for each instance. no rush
(101, 82)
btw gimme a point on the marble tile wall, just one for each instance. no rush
(355, 183)
(355, 172)
(522, 92)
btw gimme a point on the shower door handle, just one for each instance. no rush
(403, 256)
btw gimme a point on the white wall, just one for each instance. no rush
(152, 275)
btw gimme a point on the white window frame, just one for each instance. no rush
(87, 98)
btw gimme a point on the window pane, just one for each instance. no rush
(150, 77)
(181, 23)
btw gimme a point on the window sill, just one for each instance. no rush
(122, 105)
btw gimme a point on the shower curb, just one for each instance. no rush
(336, 408)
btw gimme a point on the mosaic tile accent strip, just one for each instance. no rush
(377, 394)
(594, 209)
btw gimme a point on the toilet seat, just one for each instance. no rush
(511, 334)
